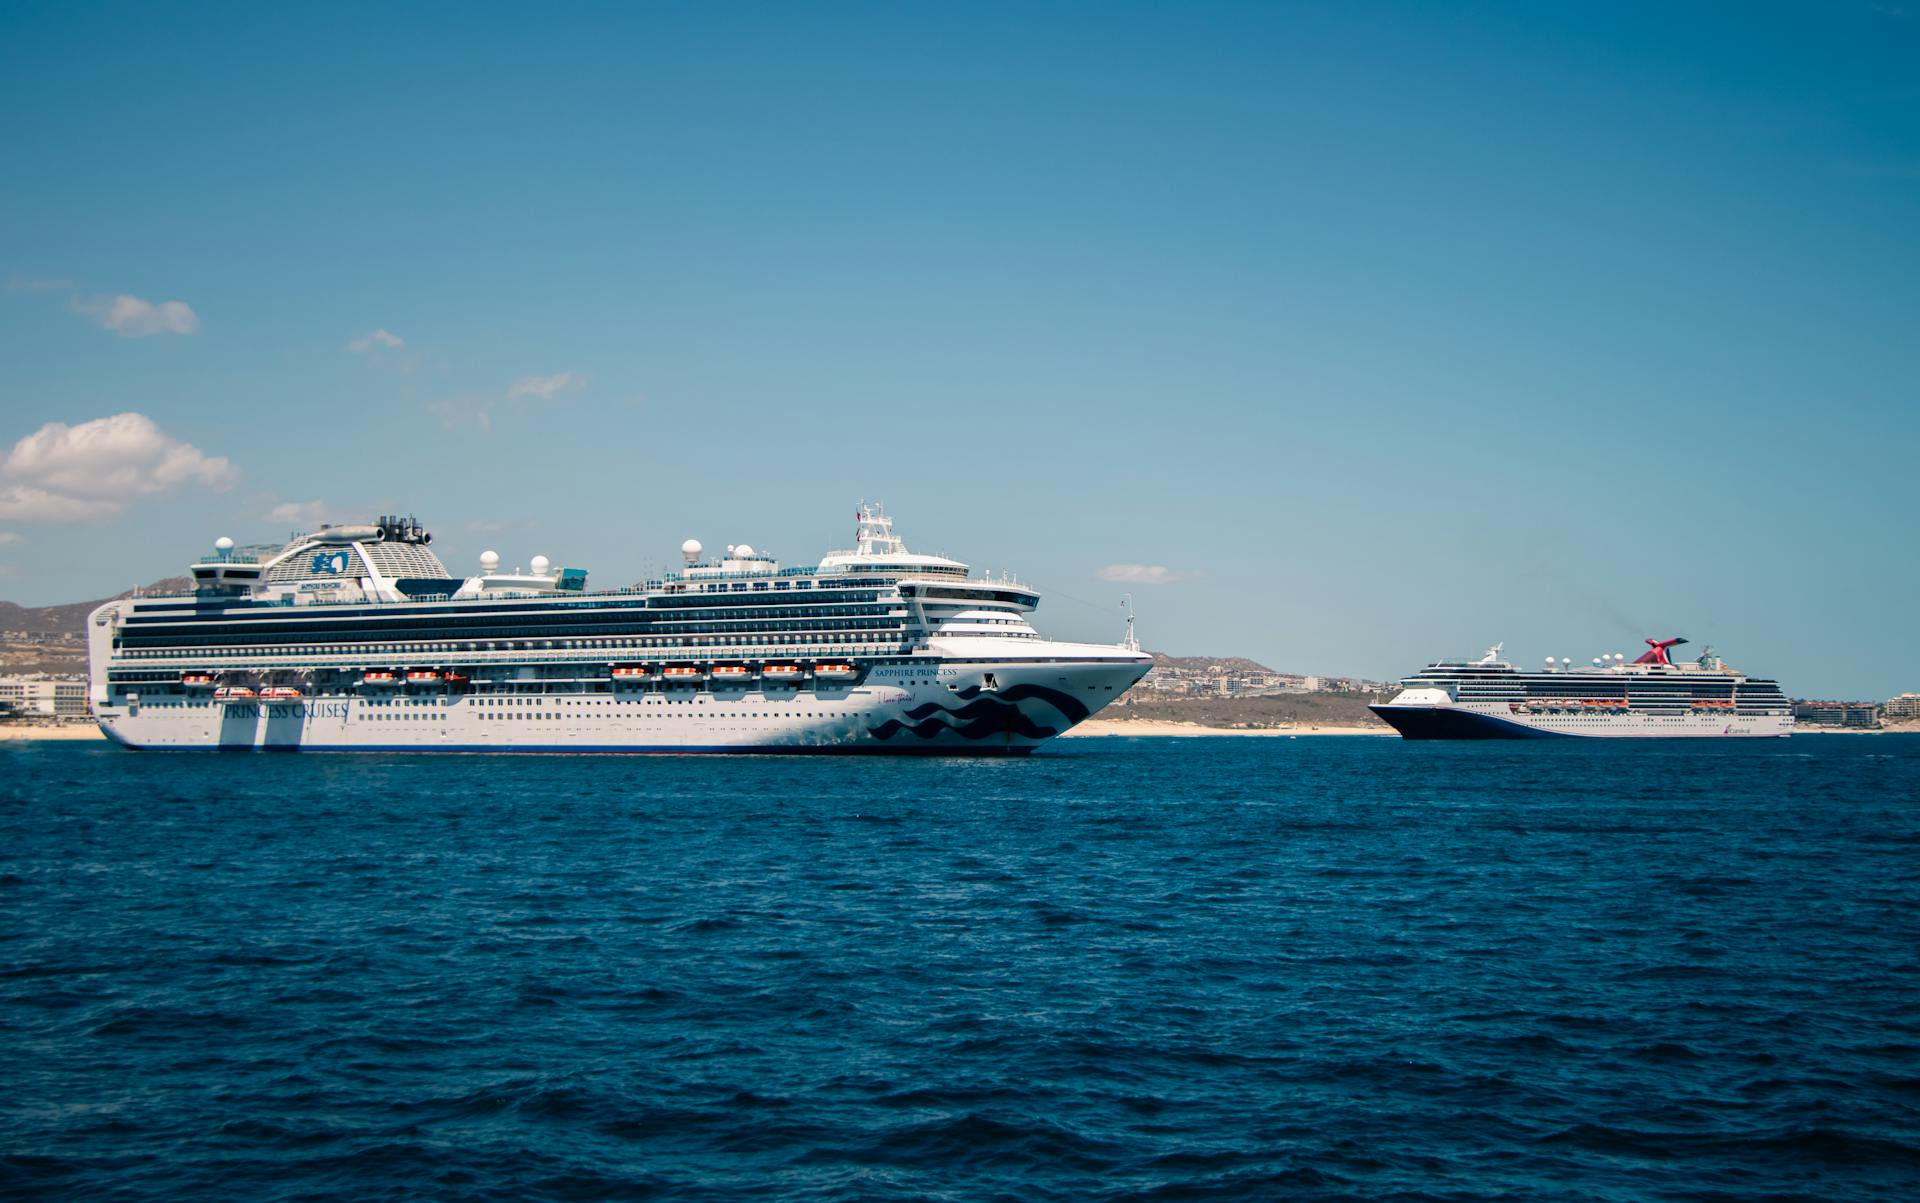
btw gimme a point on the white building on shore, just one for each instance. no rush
(39, 696)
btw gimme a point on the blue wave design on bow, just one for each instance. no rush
(1068, 705)
(979, 719)
(985, 713)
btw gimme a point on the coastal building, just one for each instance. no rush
(1856, 715)
(1903, 709)
(1197, 677)
(43, 697)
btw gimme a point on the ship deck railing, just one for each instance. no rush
(651, 585)
(427, 655)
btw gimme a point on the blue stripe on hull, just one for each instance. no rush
(1443, 723)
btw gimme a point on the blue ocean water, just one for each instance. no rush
(1126, 969)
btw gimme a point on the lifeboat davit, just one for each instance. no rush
(834, 672)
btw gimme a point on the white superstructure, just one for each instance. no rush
(357, 638)
(1651, 697)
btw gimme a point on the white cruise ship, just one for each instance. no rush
(357, 638)
(1651, 697)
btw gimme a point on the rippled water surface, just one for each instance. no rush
(1157, 969)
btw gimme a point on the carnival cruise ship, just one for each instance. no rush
(357, 638)
(1651, 697)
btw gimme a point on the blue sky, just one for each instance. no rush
(1380, 331)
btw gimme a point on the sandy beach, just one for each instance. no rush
(26, 731)
(1105, 726)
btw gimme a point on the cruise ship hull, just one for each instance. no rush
(952, 706)
(1460, 722)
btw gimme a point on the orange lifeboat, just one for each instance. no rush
(834, 672)
(681, 674)
(280, 693)
(378, 679)
(731, 674)
(423, 676)
(196, 680)
(781, 673)
(233, 693)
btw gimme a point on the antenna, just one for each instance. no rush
(1132, 643)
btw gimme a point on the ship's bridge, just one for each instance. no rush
(877, 549)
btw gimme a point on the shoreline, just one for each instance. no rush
(1096, 727)
(23, 732)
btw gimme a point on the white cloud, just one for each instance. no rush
(82, 473)
(376, 339)
(460, 414)
(23, 503)
(130, 317)
(469, 413)
(300, 513)
(19, 283)
(1142, 574)
(546, 388)
(8, 538)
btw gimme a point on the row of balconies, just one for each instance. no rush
(378, 655)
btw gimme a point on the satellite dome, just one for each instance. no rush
(223, 544)
(1550, 660)
(489, 560)
(540, 565)
(691, 549)
(743, 552)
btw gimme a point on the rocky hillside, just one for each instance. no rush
(52, 639)
(1254, 713)
(1231, 664)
